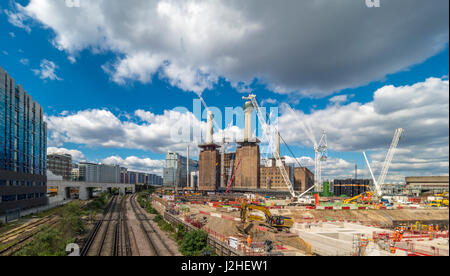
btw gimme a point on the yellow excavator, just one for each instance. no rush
(364, 196)
(279, 223)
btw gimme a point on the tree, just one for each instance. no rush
(195, 243)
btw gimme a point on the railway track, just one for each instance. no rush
(124, 234)
(110, 236)
(10, 235)
(21, 237)
(97, 242)
(156, 242)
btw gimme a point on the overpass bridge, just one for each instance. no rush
(85, 188)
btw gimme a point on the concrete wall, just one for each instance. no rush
(85, 188)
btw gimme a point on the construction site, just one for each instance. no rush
(262, 206)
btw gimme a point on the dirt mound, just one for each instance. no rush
(222, 226)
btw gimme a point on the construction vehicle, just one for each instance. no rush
(307, 201)
(439, 203)
(444, 194)
(367, 196)
(278, 223)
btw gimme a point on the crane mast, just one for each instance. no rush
(390, 155)
(387, 162)
(321, 155)
(375, 183)
(320, 151)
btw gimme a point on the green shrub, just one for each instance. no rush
(99, 203)
(49, 242)
(70, 222)
(166, 227)
(158, 218)
(180, 233)
(195, 243)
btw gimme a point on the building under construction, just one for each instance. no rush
(242, 170)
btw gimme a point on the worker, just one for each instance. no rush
(400, 236)
(249, 241)
(437, 228)
(396, 234)
(392, 248)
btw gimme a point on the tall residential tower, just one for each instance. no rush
(23, 148)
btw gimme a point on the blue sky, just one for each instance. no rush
(85, 85)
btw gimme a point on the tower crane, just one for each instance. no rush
(320, 151)
(387, 163)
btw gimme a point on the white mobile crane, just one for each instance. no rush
(387, 163)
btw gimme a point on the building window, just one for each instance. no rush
(7, 198)
(22, 197)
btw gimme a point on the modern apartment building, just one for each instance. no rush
(175, 171)
(139, 178)
(98, 173)
(23, 146)
(61, 165)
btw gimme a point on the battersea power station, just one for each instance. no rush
(242, 171)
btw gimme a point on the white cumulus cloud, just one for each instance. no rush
(47, 70)
(77, 155)
(294, 46)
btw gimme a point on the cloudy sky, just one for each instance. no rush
(110, 75)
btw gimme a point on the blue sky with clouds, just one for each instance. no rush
(108, 76)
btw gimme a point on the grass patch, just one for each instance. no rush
(99, 203)
(163, 225)
(49, 242)
(52, 240)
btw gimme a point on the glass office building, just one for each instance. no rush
(23, 146)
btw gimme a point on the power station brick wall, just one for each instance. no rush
(209, 161)
(248, 173)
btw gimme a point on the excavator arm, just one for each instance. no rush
(347, 201)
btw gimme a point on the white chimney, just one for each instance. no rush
(209, 128)
(248, 110)
(279, 163)
(277, 145)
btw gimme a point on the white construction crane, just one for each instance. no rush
(279, 163)
(320, 150)
(387, 162)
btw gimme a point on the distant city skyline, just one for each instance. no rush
(109, 92)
